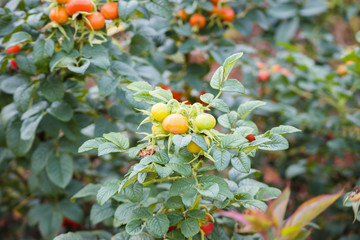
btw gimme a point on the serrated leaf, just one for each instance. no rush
(241, 163)
(108, 147)
(107, 190)
(100, 213)
(174, 202)
(232, 85)
(219, 104)
(91, 144)
(196, 213)
(277, 143)
(126, 8)
(181, 186)
(246, 108)
(217, 78)
(284, 129)
(60, 169)
(158, 224)
(230, 62)
(222, 159)
(87, 191)
(190, 227)
(118, 139)
(134, 227)
(210, 190)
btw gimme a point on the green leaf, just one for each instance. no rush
(61, 110)
(217, 78)
(189, 197)
(43, 50)
(282, 10)
(88, 191)
(158, 224)
(200, 141)
(267, 193)
(207, 97)
(229, 64)
(190, 227)
(312, 8)
(134, 227)
(29, 127)
(139, 44)
(69, 236)
(79, 67)
(286, 30)
(70, 210)
(163, 171)
(34, 109)
(10, 84)
(277, 143)
(17, 38)
(219, 104)
(139, 86)
(228, 120)
(91, 144)
(140, 236)
(142, 212)
(222, 159)
(196, 213)
(181, 141)
(25, 64)
(126, 8)
(52, 88)
(210, 190)
(181, 186)
(232, 141)
(107, 190)
(22, 97)
(118, 139)
(123, 213)
(174, 202)
(246, 108)
(108, 147)
(284, 129)
(107, 84)
(97, 54)
(175, 217)
(223, 186)
(162, 94)
(100, 213)
(133, 192)
(40, 157)
(241, 163)
(233, 85)
(50, 224)
(13, 139)
(60, 170)
(160, 8)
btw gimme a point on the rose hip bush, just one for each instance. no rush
(74, 70)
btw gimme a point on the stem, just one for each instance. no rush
(161, 180)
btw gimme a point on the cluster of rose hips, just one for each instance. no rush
(264, 74)
(226, 14)
(14, 49)
(166, 121)
(94, 20)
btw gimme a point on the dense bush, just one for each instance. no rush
(72, 79)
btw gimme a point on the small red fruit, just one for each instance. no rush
(228, 15)
(74, 6)
(197, 20)
(13, 64)
(182, 14)
(260, 65)
(68, 223)
(97, 21)
(208, 227)
(110, 10)
(263, 76)
(14, 49)
(171, 228)
(58, 15)
(250, 137)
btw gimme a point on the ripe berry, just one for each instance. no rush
(175, 123)
(197, 20)
(14, 49)
(228, 15)
(208, 227)
(250, 137)
(97, 21)
(182, 14)
(13, 64)
(263, 76)
(110, 10)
